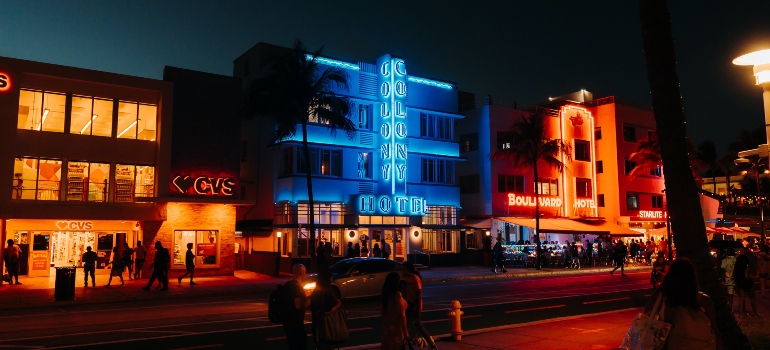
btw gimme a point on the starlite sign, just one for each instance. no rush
(515, 200)
(390, 205)
(392, 126)
(651, 214)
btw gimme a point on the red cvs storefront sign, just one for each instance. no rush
(204, 186)
(5, 82)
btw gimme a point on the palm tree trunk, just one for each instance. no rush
(538, 249)
(310, 202)
(681, 189)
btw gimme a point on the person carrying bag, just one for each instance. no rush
(649, 331)
(330, 326)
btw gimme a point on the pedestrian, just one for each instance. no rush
(189, 264)
(294, 323)
(620, 255)
(663, 246)
(728, 280)
(328, 250)
(127, 259)
(159, 266)
(649, 249)
(364, 249)
(12, 256)
(497, 252)
(764, 271)
(744, 281)
(414, 301)
(116, 268)
(567, 255)
(89, 266)
(634, 250)
(657, 271)
(357, 249)
(588, 252)
(690, 313)
(141, 254)
(385, 249)
(394, 329)
(322, 301)
(376, 251)
(350, 252)
(320, 258)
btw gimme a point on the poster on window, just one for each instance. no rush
(39, 260)
(209, 252)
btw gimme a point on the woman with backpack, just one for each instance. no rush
(414, 300)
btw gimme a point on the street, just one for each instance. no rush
(237, 322)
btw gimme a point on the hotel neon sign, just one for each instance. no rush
(393, 132)
(515, 200)
(390, 205)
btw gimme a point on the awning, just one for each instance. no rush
(614, 229)
(484, 223)
(558, 225)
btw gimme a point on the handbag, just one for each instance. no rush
(647, 332)
(333, 328)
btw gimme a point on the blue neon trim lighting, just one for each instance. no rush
(430, 82)
(334, 63)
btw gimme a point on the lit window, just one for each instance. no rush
(548, 187)
(37, 179)
(364, 165)
(632, 201)
(41, 111)
(205, 247)
(88, 181)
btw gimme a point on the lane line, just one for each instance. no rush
(152, 331)
(519, 295)
(539, 299)
(536, 308)
(604, 301)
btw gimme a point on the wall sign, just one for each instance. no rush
(584, 203)
(75, 225)
(204, 186)
(5, 82)
(515, 200)
(392, 126)
(390, 205)
(651, 214)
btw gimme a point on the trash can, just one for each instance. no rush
(64, 288)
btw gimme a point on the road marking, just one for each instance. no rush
(536, 308)
(135, 330)
(555, 294)
(468, 305)
(439, 320)
(604, 301)
(202, 347)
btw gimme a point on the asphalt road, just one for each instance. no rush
(241, 322)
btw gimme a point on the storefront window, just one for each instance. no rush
(88, 181)
(42, 111)
(147, 121)
(440, 241)
(440, 215)
(124, 183)
(37, 179)
(325, 213)
(145, 181)
(91, 116)
(205, 247)
(381, 220)
(127, 120)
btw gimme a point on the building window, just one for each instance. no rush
(440, 241)
(37, 179)
(548, 187)
(322, 162)
(364, 165)
(510, 183)
(136, 121)
(436, 127)
(469, 184)
(656, 171)
(364, 116)
(88, 181)
(657, 202)
(324, 214)
(287, 161)
(504, 140)
(382, 220)
(582, 150)
(205, 246)
(598, 133)
(91, 116)
(629, 133)
(583, 188)
(41, 110)
(437, 170)
(470, 240)
(133, 181)
(469, 142)
(283, 213)
(629, 166)
(599, 167)
(632, 201)
(440, 215)
(600, 199)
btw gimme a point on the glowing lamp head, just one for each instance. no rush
(278, 234)
(761, 62)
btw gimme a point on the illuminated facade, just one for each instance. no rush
(593, 196)
(394, 180)
(89, 161)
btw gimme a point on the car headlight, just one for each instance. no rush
(309, 286)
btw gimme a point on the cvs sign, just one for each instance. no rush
(5, 82)
(75, 225)
(204, 185)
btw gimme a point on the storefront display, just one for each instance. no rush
(205, 247)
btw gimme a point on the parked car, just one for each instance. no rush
(357, 277)
(722, 245)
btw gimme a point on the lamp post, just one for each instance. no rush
(280, 248)
(755, 166)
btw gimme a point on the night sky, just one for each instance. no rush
(514, 50)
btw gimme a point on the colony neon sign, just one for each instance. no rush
(204, 185)
(393, 132)
(390, 205)
(529, 201)
(5, 82)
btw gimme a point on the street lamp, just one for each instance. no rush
(755, 166)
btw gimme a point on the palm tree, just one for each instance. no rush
(529, 147)
(681, 189)
(293, 91)
(707, 157)
(647, 157)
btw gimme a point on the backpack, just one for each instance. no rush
(278, 308)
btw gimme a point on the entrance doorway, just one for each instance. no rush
(394, 237)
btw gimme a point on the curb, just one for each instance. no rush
(531, 274)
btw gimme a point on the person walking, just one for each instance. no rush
(116, 268)
(89, 266)
(764, 271)
(657, 271)
(385, 249)
(127, 259)
(414, 300)
(690, 313)
(141, 254)
(744, 281)
(160, 266)
(620, 255)
(394, 329)
(294, 323)
(322, 301)
(350, 252)
(497, 251)
(376, 251)
(649, 249)
(189, 264)
(12, 256)
(728, 280)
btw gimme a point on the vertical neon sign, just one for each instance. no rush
(393, 131)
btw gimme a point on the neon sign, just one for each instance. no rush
(5, 82)
(393, 130)
(584, 203)
(430, 82)
(75, 225)
(204, 185)
(390, 205)
(333, 63)
(515, 200)
(651, 214)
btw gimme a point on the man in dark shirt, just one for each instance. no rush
(294, 325)
(189, 263)
(89, 266)
(159, 267)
